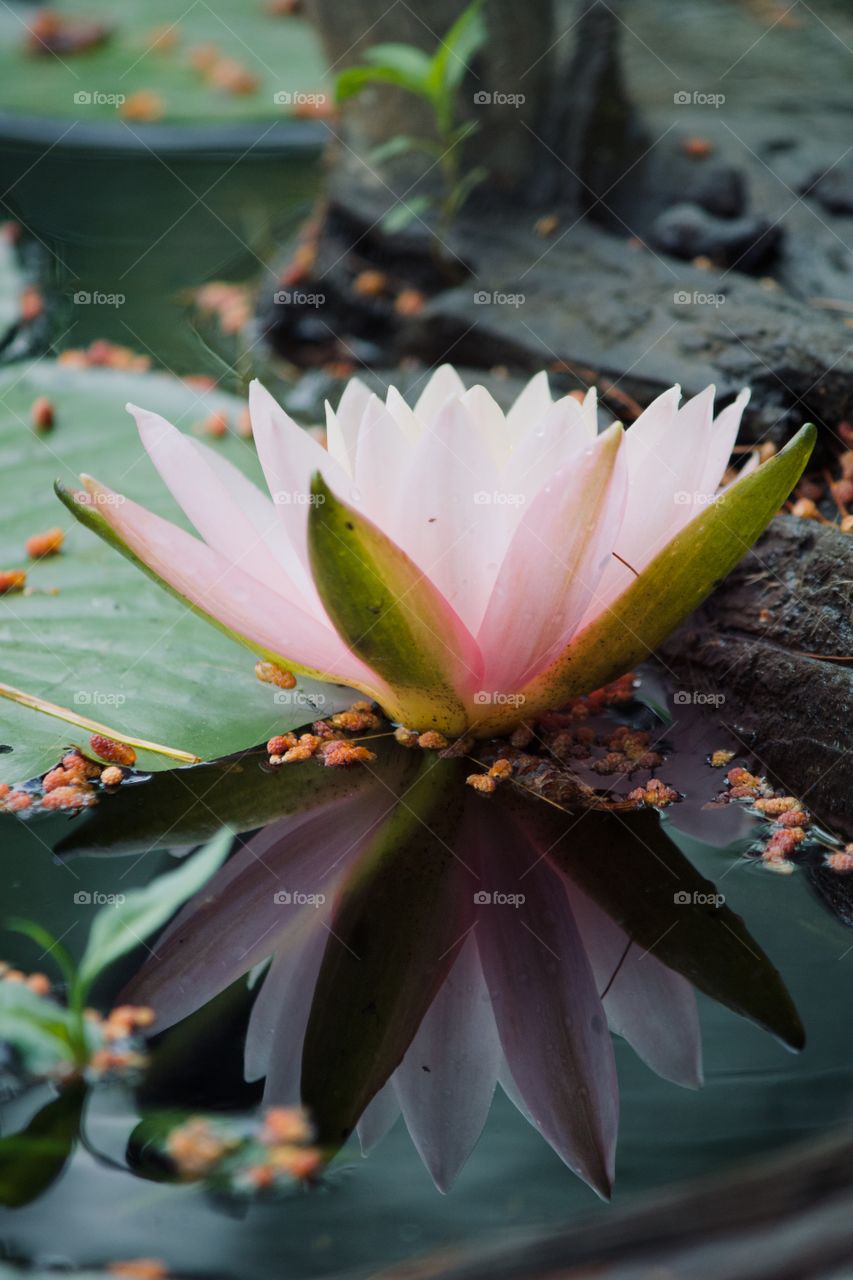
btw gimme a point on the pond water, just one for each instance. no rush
(373, 1212)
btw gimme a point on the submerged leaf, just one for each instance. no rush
(32, 1160)
(638, 876)
(185, 806)
(118, 929)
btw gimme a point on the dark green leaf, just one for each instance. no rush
(635, 873)
(32, 1160)
(393, 939)
(188, 805)
(119, 928)
(389, 613)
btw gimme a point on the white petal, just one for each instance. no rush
(446, 1081)
(443, 383)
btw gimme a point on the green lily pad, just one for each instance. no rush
(109, 644)
(282, 54)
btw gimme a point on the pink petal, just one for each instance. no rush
(236, 920)
(289, 457)
(451, 523)
(230, 513)
(443, 383)
(378, 1118)
(530, 406)
(381, 464)
(228, 594)
(489, 421)
(447, 1079)
(404, 417)
(549, 1016)
(646, 1003)
(723, 439)
(553, 566)
(547, 445)
(295, 972)
(342, 425)
(666, 450)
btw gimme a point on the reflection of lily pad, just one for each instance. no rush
(148, 49)
(32, 1160)
(110, 644)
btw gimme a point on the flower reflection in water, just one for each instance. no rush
(428, 944)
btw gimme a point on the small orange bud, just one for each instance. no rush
(143, 105)
(112, 751)
(12, 580)
(42, 414)
(271, 673)
(481, 782)
(409, 302)
(370, 284)
(44, 544)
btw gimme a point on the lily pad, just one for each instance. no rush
(92, 633)
(146, 49)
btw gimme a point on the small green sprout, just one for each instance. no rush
(435, 79)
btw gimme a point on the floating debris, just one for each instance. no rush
(271, 673)
(44, 544)
(143, 105)
(273, 1152)
(111, 751)
(12, 580)
(654, 795)
(42, 414)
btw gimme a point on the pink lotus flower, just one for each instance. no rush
(462, 566)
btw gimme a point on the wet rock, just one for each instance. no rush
(606, 309)
(718, 188)
(768, 641)
(689, 231)
(833, 189)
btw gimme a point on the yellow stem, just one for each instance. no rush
(83, 722)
